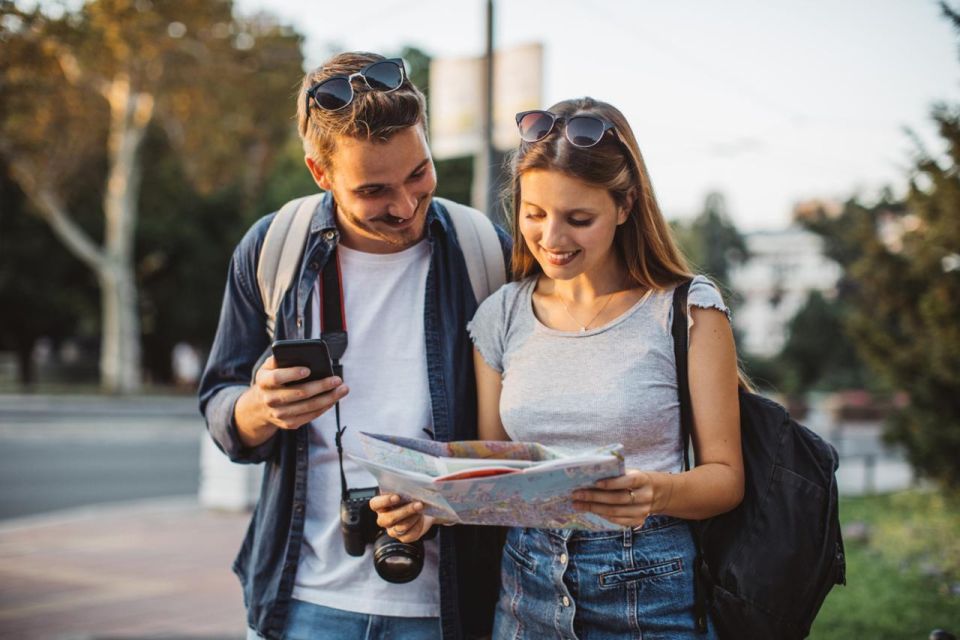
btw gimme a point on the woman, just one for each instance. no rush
(576, 352)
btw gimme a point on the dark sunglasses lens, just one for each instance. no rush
(584, 131)
(385, 76)
(333, 94)
(535, 126)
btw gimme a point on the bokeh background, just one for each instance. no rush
(806, 154)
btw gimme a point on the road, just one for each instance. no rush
(60, 452)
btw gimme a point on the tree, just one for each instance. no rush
(902, 263)
(29, 261)
(818, 353)
(712, 242)
(81, 91)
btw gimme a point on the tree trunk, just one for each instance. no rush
(120, 342)
(130, 113)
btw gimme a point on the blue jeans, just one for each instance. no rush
(308, 621)
(599, 585)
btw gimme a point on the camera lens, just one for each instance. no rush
(396, 561)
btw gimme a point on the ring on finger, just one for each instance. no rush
(633, 496)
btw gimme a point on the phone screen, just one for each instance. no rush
(312, 354)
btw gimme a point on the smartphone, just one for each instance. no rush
(312, 354)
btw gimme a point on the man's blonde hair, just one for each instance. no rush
(373, 114)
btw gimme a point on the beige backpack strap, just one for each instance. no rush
(481, 247)
(281, 254)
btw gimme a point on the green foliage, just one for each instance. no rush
(818, 354)
(902, 293)
(184, 244)
(455, 178)
(899, 580)
(712, 242)
(42, 292)
(418, 68)
(288, 179)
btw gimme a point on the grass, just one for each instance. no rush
(903, 579)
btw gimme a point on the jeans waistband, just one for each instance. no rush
(652, 523)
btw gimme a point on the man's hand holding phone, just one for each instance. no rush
(295, 385)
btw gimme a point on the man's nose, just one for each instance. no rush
(404, 206)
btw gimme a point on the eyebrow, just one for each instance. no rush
(372, 185)
(565, 212)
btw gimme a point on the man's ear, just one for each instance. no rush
(320, 175)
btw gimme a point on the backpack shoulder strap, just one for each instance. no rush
(680, 347)
(481, 248)
(680, 350)
(281, 253)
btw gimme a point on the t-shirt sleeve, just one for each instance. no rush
(704, 294)
(487, 328)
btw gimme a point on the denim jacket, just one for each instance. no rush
(267, 561)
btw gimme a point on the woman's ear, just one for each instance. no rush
(623, 212)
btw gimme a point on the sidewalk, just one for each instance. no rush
(153, 569)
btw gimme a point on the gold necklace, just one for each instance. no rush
(584, 327)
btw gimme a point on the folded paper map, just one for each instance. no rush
(490, 482)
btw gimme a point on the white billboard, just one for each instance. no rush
(456, 99)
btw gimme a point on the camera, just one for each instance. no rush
(395, 561)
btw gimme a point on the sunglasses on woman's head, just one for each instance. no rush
(337, 92)
(582, 131)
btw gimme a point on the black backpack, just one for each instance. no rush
(764, 569)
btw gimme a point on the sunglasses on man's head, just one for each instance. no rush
(582, 131)
(337, 92)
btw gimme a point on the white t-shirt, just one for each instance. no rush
(385, 368)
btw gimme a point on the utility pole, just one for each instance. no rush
(484, 185)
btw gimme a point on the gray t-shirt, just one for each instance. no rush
(611, 384)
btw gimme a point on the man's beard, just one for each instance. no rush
(379, 229)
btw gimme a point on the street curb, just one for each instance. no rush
(153, 506)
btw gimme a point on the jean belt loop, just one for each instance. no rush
(628, 537)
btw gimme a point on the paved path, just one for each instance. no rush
(156, 569)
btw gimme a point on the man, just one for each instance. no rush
(406, 299)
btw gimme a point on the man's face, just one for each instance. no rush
(382, 190)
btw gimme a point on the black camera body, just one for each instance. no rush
(395, 561)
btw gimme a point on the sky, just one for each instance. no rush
(768, 103)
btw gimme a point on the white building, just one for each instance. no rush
(783, 268)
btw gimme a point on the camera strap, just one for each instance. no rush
(333, 331)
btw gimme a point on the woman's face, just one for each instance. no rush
(567, 224)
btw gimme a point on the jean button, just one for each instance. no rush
(563, 558)
(565, 601)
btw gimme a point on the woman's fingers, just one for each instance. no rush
(618, 496)
(632, 479)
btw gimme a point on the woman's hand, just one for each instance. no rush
(403, 521)
(628, 499)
